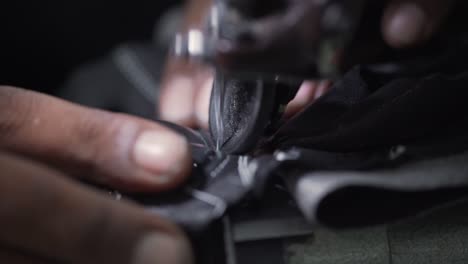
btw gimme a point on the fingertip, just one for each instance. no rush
(404, 24)
(163, 155)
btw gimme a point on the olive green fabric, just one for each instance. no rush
(439, 236)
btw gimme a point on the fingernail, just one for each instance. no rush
(177, 101)
(162, 153)
(407, 25)
(161, 248)
(203, 103)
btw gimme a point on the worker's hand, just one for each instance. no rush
(47, 216)
(186, 87)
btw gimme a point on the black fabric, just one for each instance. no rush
(370, 108)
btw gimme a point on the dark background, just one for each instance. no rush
(42, 41)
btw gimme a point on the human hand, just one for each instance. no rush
(47, 216)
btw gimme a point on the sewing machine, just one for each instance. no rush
(262, 51)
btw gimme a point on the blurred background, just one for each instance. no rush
(43, 41)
